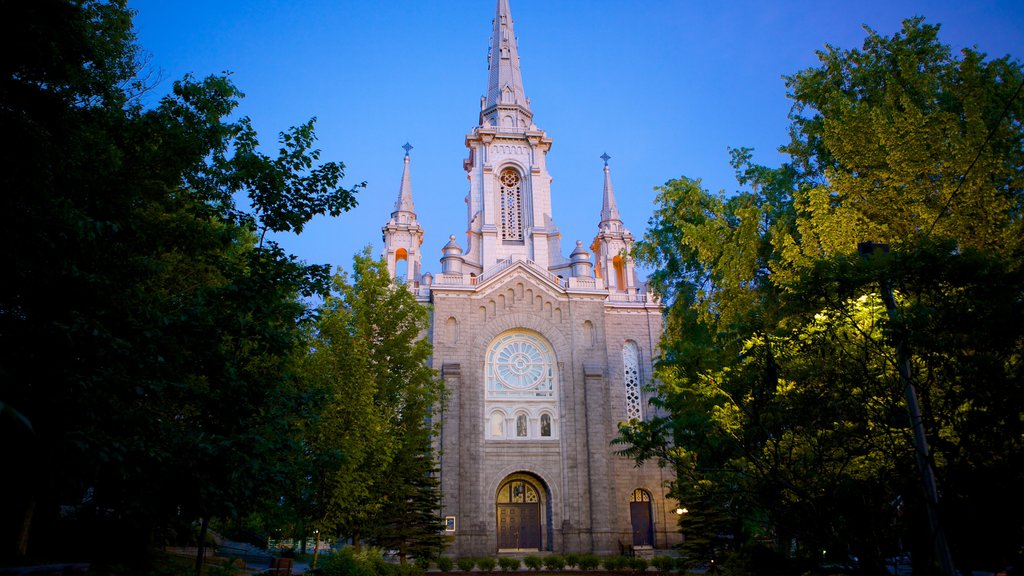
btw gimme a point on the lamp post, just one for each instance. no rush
(316, 547)
(924, 465)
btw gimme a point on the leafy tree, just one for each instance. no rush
(376, 474)
(784, 408)
(148, 330)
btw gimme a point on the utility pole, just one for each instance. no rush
(924, 465)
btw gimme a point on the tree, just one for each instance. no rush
(375, 474)
(148, 329)
(783, 410)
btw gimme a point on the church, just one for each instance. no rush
(543, 355)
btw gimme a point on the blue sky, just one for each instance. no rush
(665, 87)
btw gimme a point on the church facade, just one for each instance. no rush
(543, 355)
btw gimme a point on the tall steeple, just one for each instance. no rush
(403, 234)
(609, 211)
(404, 202)
(506, 101)
(509, 201)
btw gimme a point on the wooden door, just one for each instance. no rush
(519, 526)
(643, 530)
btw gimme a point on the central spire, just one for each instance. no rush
(506, 99)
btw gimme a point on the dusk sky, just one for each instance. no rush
(664, 87)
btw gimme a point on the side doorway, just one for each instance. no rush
(641, 518)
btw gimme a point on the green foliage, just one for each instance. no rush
(785, 411)
(165, 388)
(534, 563)
(372, 470)
(445, 564)
(466, 563)
(486, 564)
(613, 563)
(508, 563)
(637, 563)
(572, 560)
(589, 562)
(554, 562)
(663, 563)
(347, 562)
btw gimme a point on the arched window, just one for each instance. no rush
(451, 330)
(401, 265)
(520, 365)
(521, 382)
(521, 429)
(511, 205)
(631, 377)
(620, 273)
(497, 425)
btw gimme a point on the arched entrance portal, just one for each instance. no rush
(521, 510)
(641, 518)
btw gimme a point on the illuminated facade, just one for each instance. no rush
(543, 355)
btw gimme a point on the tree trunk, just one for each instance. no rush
(204, 524)
(26, 527)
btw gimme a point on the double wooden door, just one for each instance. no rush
(519, 526)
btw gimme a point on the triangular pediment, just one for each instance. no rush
(497, 277)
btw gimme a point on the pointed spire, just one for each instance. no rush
(505, 81)
(404, 202)
(609, 211)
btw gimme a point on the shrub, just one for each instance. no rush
(638, 564)
(554, 562)
(663, 563)
(466, 564)
(444, 564)
(422, 562)
(685, 563)
(613, 563)
(589, 562)
(413, 569)
(508, 563)
(533, 562)
(485, 564)
(346, 562)
(572, 560)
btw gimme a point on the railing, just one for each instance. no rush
(637, 298)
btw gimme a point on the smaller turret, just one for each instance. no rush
(580, 258)
(403, 234)
(452, 260)
(613, 242)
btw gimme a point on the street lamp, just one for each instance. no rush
(681, 511)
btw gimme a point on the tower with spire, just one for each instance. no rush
(403, 235)
(542, 355)
(613, 243)
(509, 199)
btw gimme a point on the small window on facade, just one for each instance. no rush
(545, 424)
(521, 425)
(631, 377)
(497, 424)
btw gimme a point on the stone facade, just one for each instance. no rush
(543, 356)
